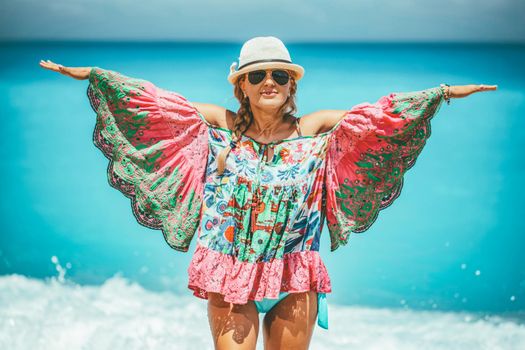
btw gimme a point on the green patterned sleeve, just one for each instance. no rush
(156, 144)
(370, 150)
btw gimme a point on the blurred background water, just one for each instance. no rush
(445, 259)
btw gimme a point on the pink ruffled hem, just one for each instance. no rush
(240, 281)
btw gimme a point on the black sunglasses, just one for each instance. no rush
(280, 76)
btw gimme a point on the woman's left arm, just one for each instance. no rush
(371, 147)
(324, 120)
(458, 91)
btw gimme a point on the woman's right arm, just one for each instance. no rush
(215, 115)
(157, 147)
(79, 73)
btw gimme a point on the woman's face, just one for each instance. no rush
(266, 95)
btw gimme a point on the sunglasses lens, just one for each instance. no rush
(281, 77)
(256, 77)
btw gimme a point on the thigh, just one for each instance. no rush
(290, 324)
(232, 326)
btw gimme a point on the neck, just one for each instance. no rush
(266, 122)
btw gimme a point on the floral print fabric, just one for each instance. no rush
(371, 149)
(259, 224)
(259, 210)
(261, 220)
(157, 148)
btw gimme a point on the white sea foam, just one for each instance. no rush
(119, 314)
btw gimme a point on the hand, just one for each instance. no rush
(79, 73)
(458, 91)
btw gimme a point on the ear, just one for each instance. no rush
(242, 84)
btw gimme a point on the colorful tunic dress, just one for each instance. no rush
(258, 224)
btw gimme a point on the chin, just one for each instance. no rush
(275, 102)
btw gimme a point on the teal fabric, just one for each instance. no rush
(322, 310)
(265, 305)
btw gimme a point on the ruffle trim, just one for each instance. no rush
(126, 187)
(240, 281)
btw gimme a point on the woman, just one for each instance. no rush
(257, 184)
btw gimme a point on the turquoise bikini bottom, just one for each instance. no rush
(266, 305)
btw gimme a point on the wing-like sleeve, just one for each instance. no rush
(157, 147)
(369, 151)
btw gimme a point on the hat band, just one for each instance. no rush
(260, 61)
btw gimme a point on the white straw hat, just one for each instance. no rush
(264, 52)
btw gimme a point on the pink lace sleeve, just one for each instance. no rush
(370, 150)
(156, 143)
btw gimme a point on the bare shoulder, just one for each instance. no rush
(215, 115)
(320, 121)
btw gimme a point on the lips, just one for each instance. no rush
(269, 93)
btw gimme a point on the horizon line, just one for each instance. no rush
(288, 42)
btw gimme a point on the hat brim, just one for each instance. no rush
(295, 68)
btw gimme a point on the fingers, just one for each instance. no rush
(483, 87)
(48, 64)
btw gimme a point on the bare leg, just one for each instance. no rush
(232, 326)
(290, 324)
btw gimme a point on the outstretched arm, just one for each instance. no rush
(324, 120)
(157, 147)
(372, 148)
(215, 115)
(459, 91)
(79, 73)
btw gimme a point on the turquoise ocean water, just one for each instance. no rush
(442, 268)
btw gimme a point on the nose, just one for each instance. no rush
(268, 78)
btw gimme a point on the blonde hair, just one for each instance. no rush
(244, 117)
